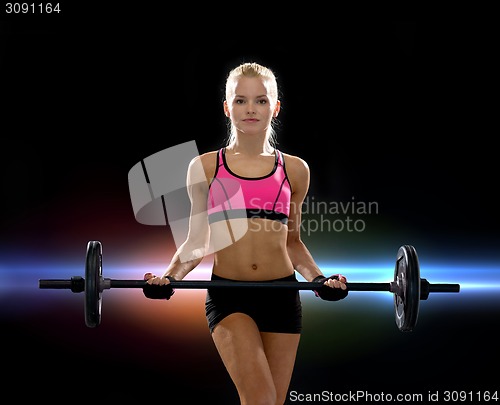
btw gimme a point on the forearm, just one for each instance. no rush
(179, 270)
(185, 259)
(302, 260)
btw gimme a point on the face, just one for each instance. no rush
(251, 107)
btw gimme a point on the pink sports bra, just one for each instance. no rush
(232, 196)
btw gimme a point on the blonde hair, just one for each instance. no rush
(252, 69)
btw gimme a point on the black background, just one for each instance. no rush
(398, 111)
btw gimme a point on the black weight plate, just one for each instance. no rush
(407, 294)
(93, 282)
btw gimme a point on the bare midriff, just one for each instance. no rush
(254, 250)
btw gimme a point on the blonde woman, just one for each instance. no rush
(247, 212)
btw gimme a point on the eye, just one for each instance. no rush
(239, 101)
(262, 101)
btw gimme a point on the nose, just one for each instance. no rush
(250, 108)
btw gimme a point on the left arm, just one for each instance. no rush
(299, 254)
(302, 260)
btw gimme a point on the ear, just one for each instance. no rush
(226, 109)
(277, 109)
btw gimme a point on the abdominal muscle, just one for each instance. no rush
(250, 250)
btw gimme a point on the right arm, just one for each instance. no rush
(192, 251)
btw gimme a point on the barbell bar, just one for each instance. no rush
(408, 288)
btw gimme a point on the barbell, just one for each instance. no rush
(408, 288)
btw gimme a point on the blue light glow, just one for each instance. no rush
(20, 276)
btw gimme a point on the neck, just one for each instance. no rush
(249, 145)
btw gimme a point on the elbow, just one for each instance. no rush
(192, 250)
(293, 242)
(294, 246)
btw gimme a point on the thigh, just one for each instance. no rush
(281, 350)
(242, 351)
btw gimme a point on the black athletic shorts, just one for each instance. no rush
(272, 309)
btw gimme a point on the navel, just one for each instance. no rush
(254, 266)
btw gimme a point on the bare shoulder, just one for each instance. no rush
(207, 157)
(297, 171)
(208, 161)
(295, 165)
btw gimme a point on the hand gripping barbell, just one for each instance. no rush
(408, 288)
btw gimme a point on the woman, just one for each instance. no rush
(246, 210)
